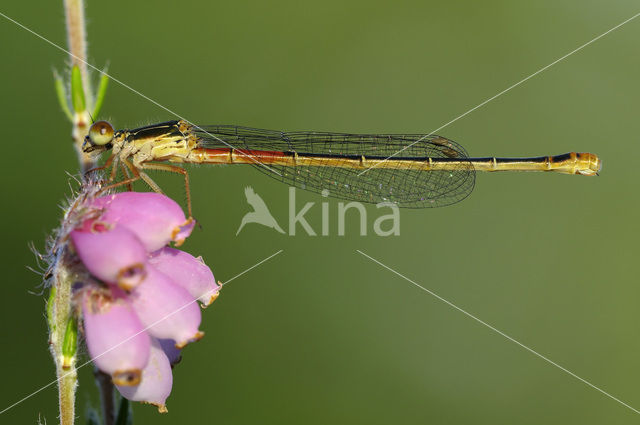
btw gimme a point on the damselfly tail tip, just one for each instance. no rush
(592, 164)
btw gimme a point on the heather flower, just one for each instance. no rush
(154, 218)
(111, 253)
(188, 271)
(142, 308)
(156, 382)
(115, 336)
(166, 308)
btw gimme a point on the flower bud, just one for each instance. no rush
(70, 343)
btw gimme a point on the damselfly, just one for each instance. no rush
(410, 170)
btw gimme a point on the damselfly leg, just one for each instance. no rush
(173, 169)
(131, 174)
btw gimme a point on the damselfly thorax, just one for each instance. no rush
(410, 170)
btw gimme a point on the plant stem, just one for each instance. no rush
(76, 37)
(66, 396)
(106, 388)
(77, 41)
(65, 369)
(60, 313)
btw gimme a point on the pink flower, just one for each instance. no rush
(154, 218)
(143, 308)
(156, 382)
(116, 339)
(189, 272)
(112, 254)
(166, 309)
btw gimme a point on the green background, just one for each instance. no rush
(320, 334)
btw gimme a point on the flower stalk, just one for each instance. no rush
(77, 39)
(107, 399)
(80, 83)
(62, 341)
(83, 106)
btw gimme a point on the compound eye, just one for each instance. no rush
(100, 133)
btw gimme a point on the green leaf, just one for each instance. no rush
(77, 91)
(62, 95)
(102, 90)
(125, 413)
(70, 343)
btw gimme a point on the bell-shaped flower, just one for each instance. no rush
(156, 382)
(111, 253)
(166, 308)
(153, 217)
(116, 339)
(187, 271)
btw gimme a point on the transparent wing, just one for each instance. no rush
(407, 186)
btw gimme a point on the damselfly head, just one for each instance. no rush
(99, 137)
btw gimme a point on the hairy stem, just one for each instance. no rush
(66, 392)
(77, 41)
(76, 37)
(60, 315)
(60, 312)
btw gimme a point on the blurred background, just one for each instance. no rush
(321, 334)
